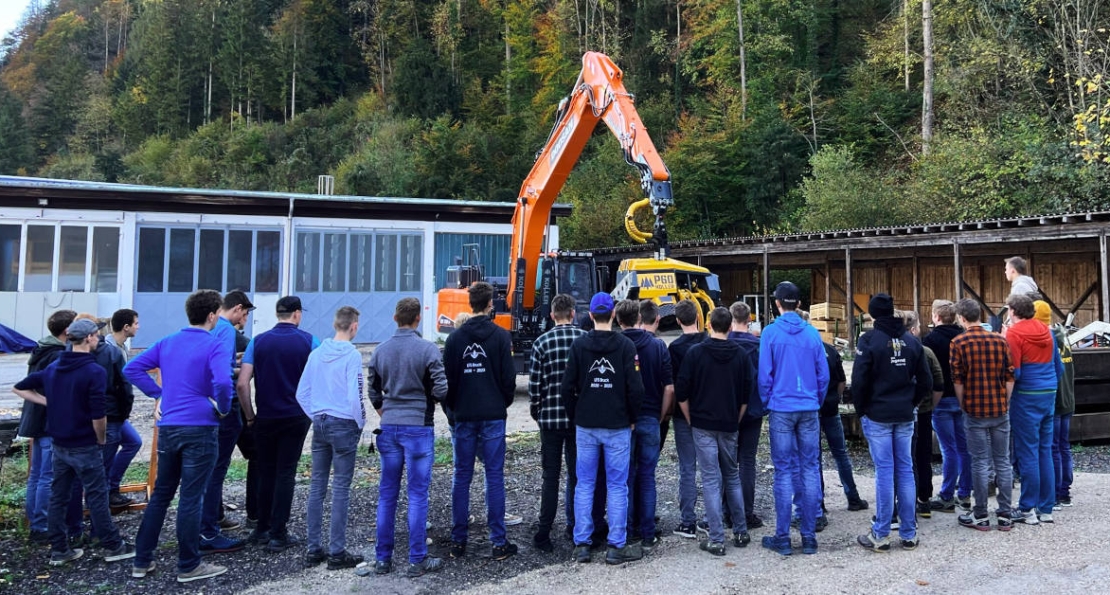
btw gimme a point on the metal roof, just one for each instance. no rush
(69, 194)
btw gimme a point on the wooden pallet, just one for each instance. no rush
(826, 311)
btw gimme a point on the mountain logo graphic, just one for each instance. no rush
(474, 351)
(602, 366)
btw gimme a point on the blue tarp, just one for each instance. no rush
(13, 342)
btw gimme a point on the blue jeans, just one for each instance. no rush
(641, 478)
(186, 456)
(795, 446)
(230, 426)
(400, 447)
(716, 453)
(833, 429)
(39, 479)
(617, 448)
(334, 445)
(948, 421)
(890, 445)
(121, 444)
(485, 440)
(86, 465)
(1031, 419)
(1061, 455)
(687, 470)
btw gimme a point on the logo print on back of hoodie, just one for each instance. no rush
(599, 373)
(475, 358)
(602, 366)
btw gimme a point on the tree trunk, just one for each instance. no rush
(508, 73)
(743, 61)
(927, 87)
(906, 39)
(293, 102)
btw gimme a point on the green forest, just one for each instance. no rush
(773, 116)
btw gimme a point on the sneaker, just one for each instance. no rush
(822, 523)
(755, 522)
(1065, 502)
(345, 559)
(741, 539)
(870, 542)
(511, 520)
(202, 571)
(1004, 521)
(118, 500)
(504, 552)
(854, 505)
(964, 502)
(717, 548)
(142, 571)
(1057, 506)
(809, 545)
(982, 523)
(39, 537)
(582, 554)
(778, 546)
(909, 544)
(257, 537)
(428, 564)
(458, 550)
(1046, 518)
(60, 558)
(219, 544)
(703, 527)
(250, 523)
(383, 566)
(123, 552)
(628, 553)
(688, 530)
(648, 545)
(229, 524)
(939, 504)
(894, 524)
(276, 546)
(315, 557)
(924, 510)
(1028, 517)
(542, 542)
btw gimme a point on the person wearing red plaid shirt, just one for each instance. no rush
(983, 380)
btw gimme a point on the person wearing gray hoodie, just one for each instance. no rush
(330, 393)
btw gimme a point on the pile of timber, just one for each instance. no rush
(830, 321)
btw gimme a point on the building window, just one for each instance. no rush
(152, 259)
(267, 272)
(74, 248)
(9, 257)
(182, 250)
(105, 264)
(362, 261)
(210, 270)
(411, 262)
(239, 250)
(385, 261)
(39, 270)
(335, 262)
(308, 262)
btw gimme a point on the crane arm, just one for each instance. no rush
(598, 95)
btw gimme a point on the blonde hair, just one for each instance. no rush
(462, 318)
(86, 316)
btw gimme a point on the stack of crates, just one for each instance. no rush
(830, 321)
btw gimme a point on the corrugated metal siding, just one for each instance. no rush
(492, 248)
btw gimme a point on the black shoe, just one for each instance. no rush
(39, 537)
(383, 566)
(428, 564)
(458, 550)
(315, 558)
(822, 522)
(582, 553)
(542, 542)
(742, 539)
(628, 553)
(118, 500)
(504, 552)
(276, 546)
(687, 530)
(258, 538)
(924, 510)
(649, 545)
(754, 522)
(716, 548)
(857, 504)
(125, 551)
(344, 560)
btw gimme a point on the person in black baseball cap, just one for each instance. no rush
(289, 304)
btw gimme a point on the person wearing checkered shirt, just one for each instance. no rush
(983, 380)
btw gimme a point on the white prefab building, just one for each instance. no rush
(94, 247)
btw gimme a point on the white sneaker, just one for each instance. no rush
(1029, 517)
(203, 571)
(513, 519)
(1046, 518)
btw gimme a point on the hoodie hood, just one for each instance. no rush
(45, 347)
(480, 327)
(792, 323)
(721, 350)
(602, 341)
(639, 336)
(332, 351)
(73, 360)
(891, 326)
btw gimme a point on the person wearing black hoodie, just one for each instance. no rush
(481, 380)
(75, 419)
(948, 418)
(715, 385)
(751, 424)
(686, 312)
(890, 376)
(32, 424)
(603, 392)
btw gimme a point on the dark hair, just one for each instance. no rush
(649, 312)
(969, 309)
(346, 316)
(481, 294)
(200, 304)
(945, 311)
(1018, 263)
(604, 318)
(406, 311)
(60, 321)
(562, 306)
(627, 313)
(720, 319)
(686, 312)
(234, 298)
(122, 318)
(741, 312)
(1021, 306)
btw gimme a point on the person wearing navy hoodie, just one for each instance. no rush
(890, 377)
(276, 360)
(751, 423)
(657, 376)
(716, 382)
(75, 419)
(686, 312)
(793, 379)
(481, 380)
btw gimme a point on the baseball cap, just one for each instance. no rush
(601, 303)
(289, 304)
(788, 293)
(83, 328)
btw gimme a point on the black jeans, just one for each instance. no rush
(245, 443)
(923, 454)
(557, 446)
(278, 445)
(84, 466)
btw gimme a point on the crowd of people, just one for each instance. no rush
(604, 401)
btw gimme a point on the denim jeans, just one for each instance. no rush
(186, 456)
(795, 446)
(988, 443)
(557, 447)
(230, 426)
(39, 479)
(1031, 419)
(484, 440)
(923, 454)
(890, 445)
(641, 478)
(1061, 455)
(614, 447)
(687, 470)
(401, 447)
(121, 444)
(746, 449)
(334, 446)
(948, 422)
(281, 441)
(716, 453)
(833, 429)
(86, 465)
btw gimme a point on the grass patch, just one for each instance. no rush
(13, 493)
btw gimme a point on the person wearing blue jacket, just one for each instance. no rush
(793, 380)
(194, 396)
